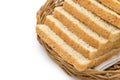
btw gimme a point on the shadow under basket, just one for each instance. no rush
(112, 73)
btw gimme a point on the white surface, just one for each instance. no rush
(21, 56)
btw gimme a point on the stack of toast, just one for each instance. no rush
(84, 33)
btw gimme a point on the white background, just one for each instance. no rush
(21, 56)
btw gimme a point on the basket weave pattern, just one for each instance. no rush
(112, 73)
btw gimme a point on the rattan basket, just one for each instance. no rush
(112, 73)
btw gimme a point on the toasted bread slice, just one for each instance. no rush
(112, 4)
(79, 28)
(70, 38)
(67, 53)
(62, 49)
(101, 11)
(94, 22)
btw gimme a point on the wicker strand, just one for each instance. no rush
(112, 73)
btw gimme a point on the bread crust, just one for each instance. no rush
(112, 4)
(88, 54)
(70, 59)
(101, 12)
(90, 23)
(70, 41)
(105, 57)
(60, 51)
(77, 30)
